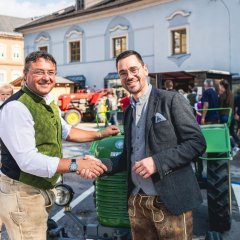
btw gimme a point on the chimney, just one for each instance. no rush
(79, 5)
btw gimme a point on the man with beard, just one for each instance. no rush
(162, 138)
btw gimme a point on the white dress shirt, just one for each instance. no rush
(18, 134)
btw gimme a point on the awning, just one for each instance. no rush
(191, 74)
(111, 75)
(173, 75)
(76, 78)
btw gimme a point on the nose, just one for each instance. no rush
(130, 74)
(46, 75)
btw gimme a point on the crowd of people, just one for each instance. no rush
(213, 104)
(110, 108)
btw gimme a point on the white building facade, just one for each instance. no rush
(171, 35)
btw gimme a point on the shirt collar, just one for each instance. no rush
(143, 98)
(48, 97)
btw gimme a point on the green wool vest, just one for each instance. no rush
(48, 135)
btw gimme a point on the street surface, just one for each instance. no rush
(83, 204)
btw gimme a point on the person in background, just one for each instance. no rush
(161, 140)
(182, 92)
(31, 132)
(192, 95)
(124, 101)
(169, 85)
(6, 91)
(209, 100)
(237, 110)
(112, 107)
(226, 101)
(102, 116)
(197, 107)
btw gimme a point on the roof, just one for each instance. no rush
(71, 12)
(76, 78)
(188, 74)
(111, 75)
(173, 75)
(8, 23)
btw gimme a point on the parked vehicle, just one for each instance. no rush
(111, 191)
(81, 106)
(218, 179)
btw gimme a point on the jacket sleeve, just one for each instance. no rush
(190, 141)
(119, 163)
(115, 164)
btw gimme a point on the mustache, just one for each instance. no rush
(132, 80)
(43, 81)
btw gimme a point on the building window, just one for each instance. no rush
(179, 41)
(74, 51)
(16, 50)
(2, 51)
(119, 45)
(43, 48)
(2, 76)
(16, 74)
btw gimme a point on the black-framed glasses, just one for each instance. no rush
(41, 72)
(123, 74)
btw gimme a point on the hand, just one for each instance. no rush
(90, 167)
(145, 168)
(203, 121)
(110, 131)
(87, 174)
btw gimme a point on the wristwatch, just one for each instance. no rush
(73, 165)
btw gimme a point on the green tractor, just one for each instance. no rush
(218, 180)
(111, 191)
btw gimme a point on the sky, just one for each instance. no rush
(32, 8)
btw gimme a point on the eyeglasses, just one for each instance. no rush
(132, 70)
(41, 72)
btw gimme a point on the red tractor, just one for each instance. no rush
(82, 105)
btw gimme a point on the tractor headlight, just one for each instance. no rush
(64, 194)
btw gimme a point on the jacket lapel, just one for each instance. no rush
(152, 104)
(128, 127)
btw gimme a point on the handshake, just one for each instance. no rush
(90, 167)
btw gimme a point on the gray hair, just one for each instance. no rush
(208, 82)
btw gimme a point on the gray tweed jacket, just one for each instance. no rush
(174, 140)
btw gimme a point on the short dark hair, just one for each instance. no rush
(34, 56)
(127, 54)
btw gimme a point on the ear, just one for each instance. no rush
(145, 68)
(25, 75)
(24, 72)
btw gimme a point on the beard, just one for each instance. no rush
(134, 86)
